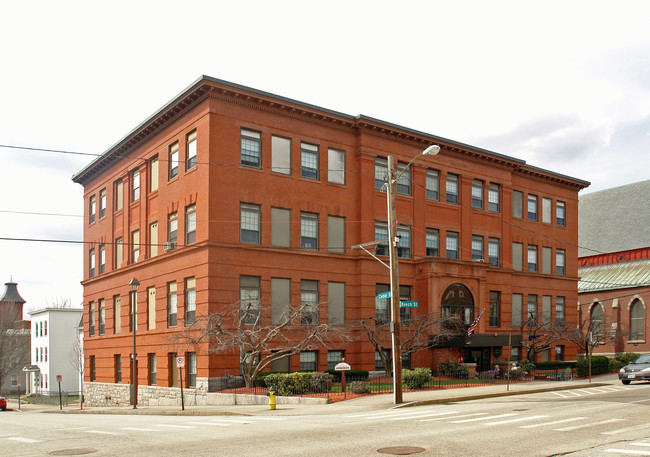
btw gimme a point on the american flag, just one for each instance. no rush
(471, 328)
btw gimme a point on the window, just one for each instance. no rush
(517, 204)
(494, 250)
(334, 358)
(119, 194)
(308, 361)
(151, 308)
(532, 258)
(190, 300)
(190, 224)
(477, 194)
(517, 300)
(249, 299)
(477, 248)
(559, 310)
(135, 246)
(560, 213)
(433, 243)
(153, 174)
(45, 353)
(45, 327)
(281, 227)
(119, 252)
(190, 143)
(336, 302)
(379, 364)
(92, 209)
(135, 189)
(546, 210)
(517, 256)
(117, 314)
(308, 161)
(91, 263)
(381, 233)
(451, 188)
(403, 184)
(597, 322)
(280, 300)
(172, 374)
(381, 173)
(191, 369)
(172, 304)
(495, 299)
(532, 207)
(531, 310)
(309, 302)
(153, 239)
(173, 161)
(250, 223)
(547, 267)
(636, 321)
(336, 166)
(280, 155)
(93, 372)
(451, 245)
(309, 231)
(102, 258)
(102, 316)
(559, 352)
(117, 364)
(153, 369)
(405, 313)
(559, 261)
(102, 203)
(172, 229)
(91, 319)
(546, 309)
(404, 241)
(251, 148)
(432, 185)
(515, 354)
(336, 234)
(494, 197)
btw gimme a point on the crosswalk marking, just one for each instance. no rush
(561, 421)
(209, 423)
(592, 424)
(23, 440)
(627, 451)
(587, 392)
(626, 429)
(453, 417)
(102, 432)
(644, 443)
(483, 418)
(174, 426)
(139, 429)
(416, 416)
(519, 419)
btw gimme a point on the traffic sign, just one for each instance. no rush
(342, 366)
(408, 304)
(59, 378)
(180, 362)
(383, 295)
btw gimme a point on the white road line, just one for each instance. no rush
(560, 394)
(626, 429)
(453, 417)
(23, 440)
(586, 392)
(598, 390)
(174, 426)
(483, 418)
(592, 424)
(640, 401)
(645, 443)
(626, 451)
(561, 421)
(233, 421)
(209, 423)
(417, 416)
(138, 429)
(103, 432)
(387, 414)
(575, 394)
(519, 419)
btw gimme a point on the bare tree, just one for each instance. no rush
(589, 333)
(539, 335)
(421, 332)
(14, 343)
(76, 358)
(262, 336)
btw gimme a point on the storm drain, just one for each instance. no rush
(80, 451)
(401, 450)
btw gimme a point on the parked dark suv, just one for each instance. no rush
(639, 370)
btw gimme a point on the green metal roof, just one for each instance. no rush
(614, 276)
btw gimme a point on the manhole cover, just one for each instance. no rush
(401, 450)
(80, 451)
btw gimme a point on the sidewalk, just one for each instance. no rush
(359, 404)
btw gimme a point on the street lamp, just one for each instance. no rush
(133, 288)
(394, 271)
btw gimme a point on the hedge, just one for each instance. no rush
(356, 374)
(599, 365)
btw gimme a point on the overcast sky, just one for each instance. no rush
(564, 85)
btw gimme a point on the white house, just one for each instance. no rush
(55, 350)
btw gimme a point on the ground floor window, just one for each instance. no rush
(308, 361)
(334, 358)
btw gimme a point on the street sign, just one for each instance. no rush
(342, 366)
(383, 295)
(408, 304)
(59, 378)
(180, 362)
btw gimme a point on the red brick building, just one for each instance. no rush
(229, 191)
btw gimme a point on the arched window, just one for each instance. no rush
(597, 322)
(636, 320)
(458, 301)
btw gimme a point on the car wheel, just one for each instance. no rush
(626, 382)
(4, 409)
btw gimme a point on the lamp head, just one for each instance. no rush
(431, 150)
(133, 285)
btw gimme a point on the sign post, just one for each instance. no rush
(342, 367)
(180, 363)
(18, 394)
(59, 378)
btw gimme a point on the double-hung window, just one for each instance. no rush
(172, 229)
(190, 144)
(547, 205)
(172, 304)
(309, 302)
(102, 203)
(336, 166)
(190, 224)
(381, 233)
(477, 194)
(249, 299)
(559, 310)
(135, 246)
(495, 299)
(173, 161)
(102, 258)
(251, 148)
(477, 247)
(451, 245)
(381, 173)
(250, 223)
(433, 242)
(153, 369)
(92, 209)
(135, 189)
(517, 204)
(153, 174)
(280, 155)
(404, 243)
(191, 369)
(102, 317)
(119, 252)
(91, 263)
(308, 361)
(403, 184)
(531, 313)
(532, 207)
(494, 250)
(451, 188)
(309, 231)
(308, 161)
(190, 300)
(560, 213)
(494, 197)
(532, 258)
(560, 258)
(432, 185)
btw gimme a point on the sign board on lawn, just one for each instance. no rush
(342, 366)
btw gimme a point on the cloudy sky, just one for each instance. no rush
(564, 85)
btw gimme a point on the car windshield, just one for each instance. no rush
(643, 359)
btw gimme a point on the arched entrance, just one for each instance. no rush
(458, 301)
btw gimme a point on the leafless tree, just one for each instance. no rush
(76, 358)
(589, 333)
(262, 336)
(421, 332)
(14, 343)
(539, 334)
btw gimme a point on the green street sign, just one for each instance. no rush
(408, 304)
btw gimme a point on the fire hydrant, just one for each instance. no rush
(271, 395)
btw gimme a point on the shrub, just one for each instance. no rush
(320, 382)
(358, 387)
(454, 368)
(415, 379)
(287, 384)
(599, 365)
(554, 365)
(526, 365)
(356, 374)
(621, 360)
